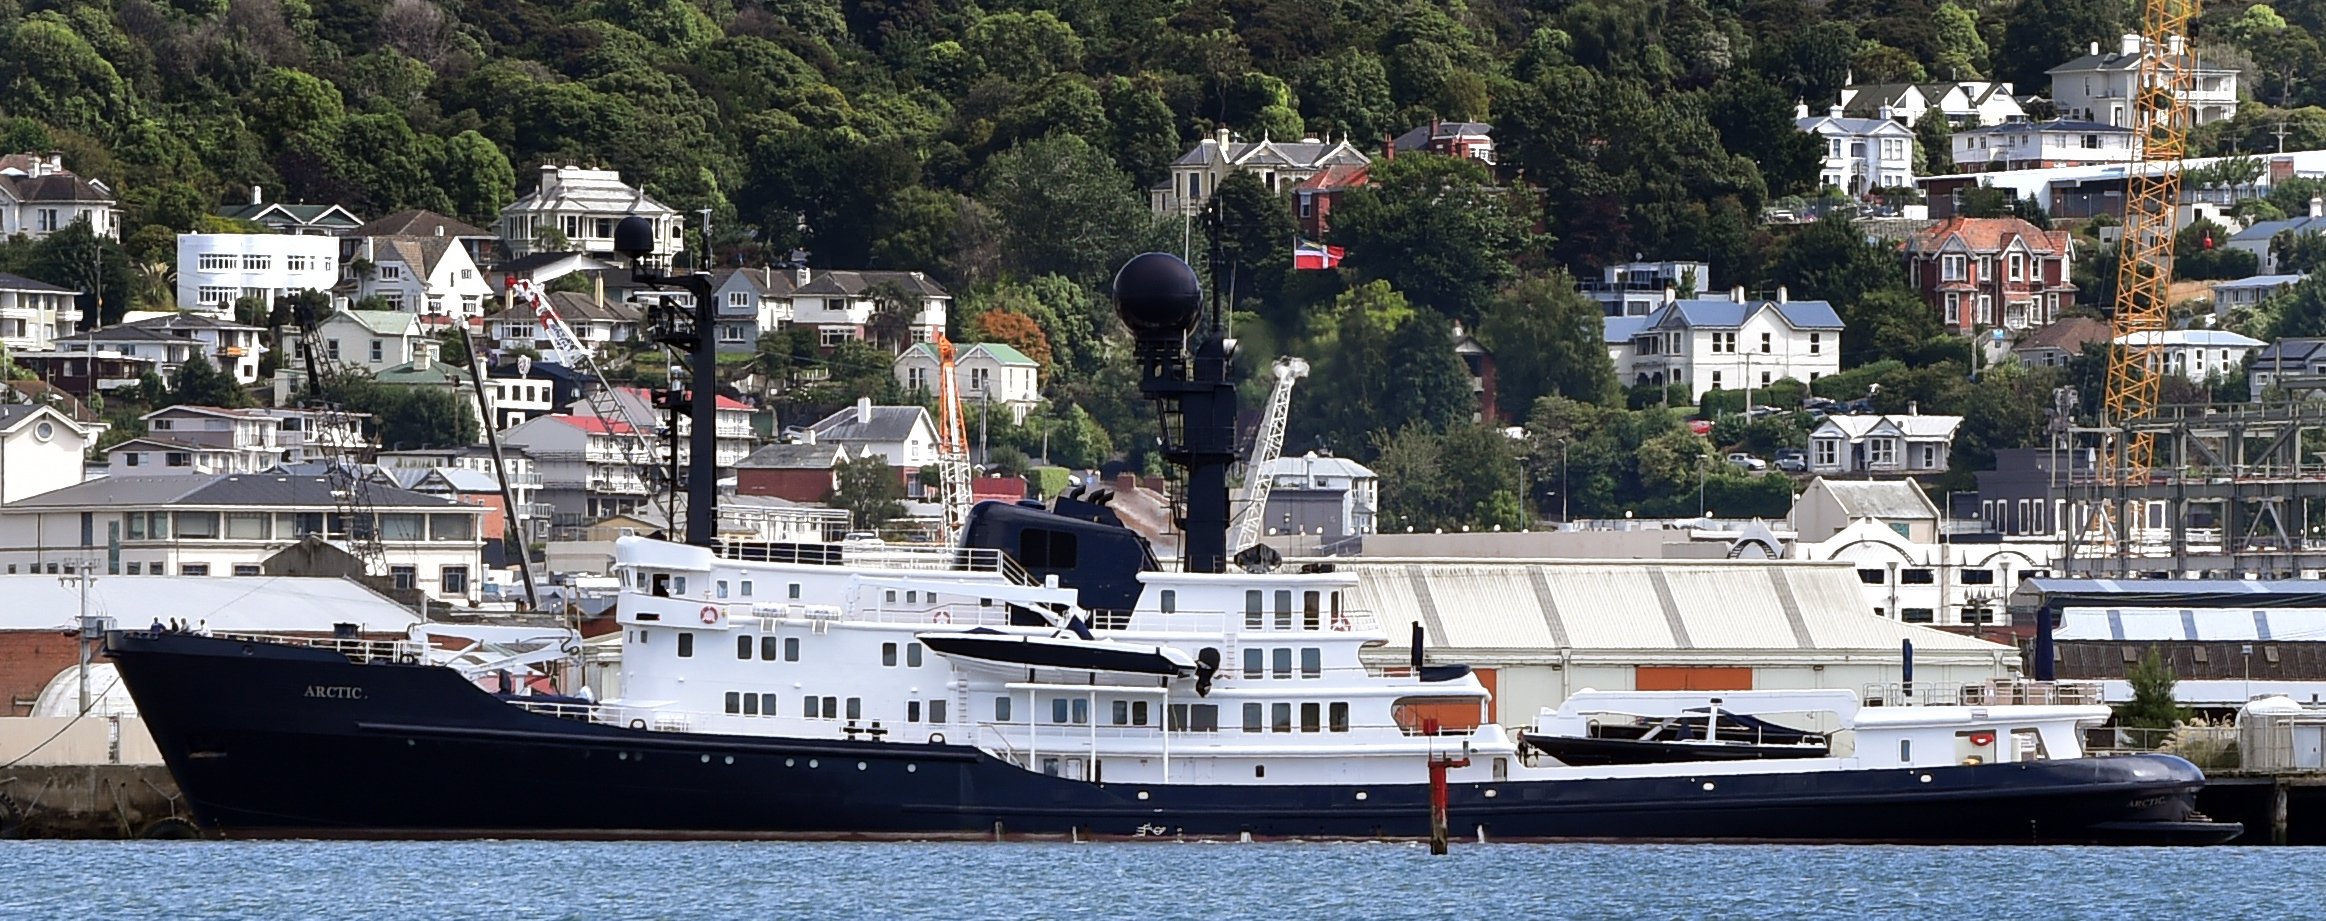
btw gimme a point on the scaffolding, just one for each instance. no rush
(2233, 490)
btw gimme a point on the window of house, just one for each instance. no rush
(453, 579)
(1716, 380)
(1873, 576)
(129, 458)
(201, 525)
(216, 295)
(134, 568)
(1766, 343)
(2018, 263)
(1918, 615)
(215, 262)
(256, 263)
(1986, 309)
(834, 335)
(378, 351)
(1881, 451)
(246, 569)
(247, 525)
(1915, 576)
(1978, 577)
(187, 569)
(1950, 267)
(331, 349)
(391, 272)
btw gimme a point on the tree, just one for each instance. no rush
(869, 490)
(1016, 330)
(894, 309)
(1382, 366)
(477, 178)
(1437, 229)
(2039, 36)
(1933, 144)
(1064, 208)
(2153, 705)
(1962, 50)
(1547, 339)
(200, 383)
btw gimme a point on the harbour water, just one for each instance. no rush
(128, 881)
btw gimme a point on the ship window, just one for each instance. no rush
(642, 636)
(1914, 577)
(1280, 717)
(640, 581)
(767, 648)
(766, 705)
(734, 701)
(1252, 616)
(686, 645)
(914, 598)
(831, 708)
(1311, 717)
(750, 705)
(1337, 618)
(1204, 718)
(1253, 659)
(912, 655)
(1001, 709)
(1905, 751)
(1283, 662)
(1310, 611)
(1138, 713)
(1311, 662)
(742, 647)
(888, 655)
(912, 711)
(791, 649)
(808, 707)
(855, 708)
(1122, 713)
(888, 597)
(1340, 717)
(1058, 710)
(1170, 601)
(1284, 609)
(1251, 717)
(795, 591)
(746, 587)
(1081, 711)
(678, 585)
(721, 588)
(1043, 548)
(936, 711)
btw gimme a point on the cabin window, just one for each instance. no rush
(1310, 611)
(678, 585)
(912, 655)
(1280, 717)
(1252, 615)
(721, 588)
(912, 711)
(2027, 745)
(1311, 662)
(1337, 617)
(641, 632)
(137, 526)
(808, 708)
(1001, 709)
(1058, 710)
(1253, 659)
(662, 585)
(746, 587)
(734, 701)
(1251, 717)
(1169, 601)
(766, 705)
(1905, 751)
(855, 708)
(1081, 711)
(1196, 718)
(1311, 717)
(742, 647)
(1339, 714)
(914, 597)
(831, 708)
(791, 649)
(767, 648)
(888, 597)
(750, 705)
(1284, 609)
(1283, 662)
(794, 591)
(888, 655)
(686, 645)
(936, 711)
(1042, 548)
(1122, 714)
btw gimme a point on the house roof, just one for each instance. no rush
(886, 424)
(2068, 335)
(1854, 126)
(718, 400)
(1889, 500)
(1421, 135)
(1302, 153)
(1310, 465)
(385, 322)
(768, 279)
(422, 253)
(2062, 125)
(188, 321)
(17, 176)
(127, 334)
(595, 425)
(818, 456)
(575, 189)
(2191, 338)
(1002, 354)
(250, 489)
(1343, 176)
(2264, 231)
(43, 393)
(293, 213)
(2295, 349)
(1719, 313)
(1872, 97)
(417, 223)
(13, 415)
(2114, 59)
(1988, 235)
(527, 264)
(14, 282)
(1916, 426)
(1619, 330)
(852, 283)
(421, 372)
(2261, 281)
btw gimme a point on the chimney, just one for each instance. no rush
(1914, 407)
(1781, 298)
(1671, 294)
(1887, 113)
(2131, 44)
(598, 289)
(863, 410)
(1833, 111)
(1219, 136)
(1388, 147)
(2317, 207)
(2095, 49)
(258, 196)
(1736, 295)
(440, 230)
(548, 179)
(1800, 110)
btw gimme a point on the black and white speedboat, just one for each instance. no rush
(1043, 677)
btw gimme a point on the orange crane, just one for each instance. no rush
(2144, 266)
(952, 444)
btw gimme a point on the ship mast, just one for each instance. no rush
(1159, 298)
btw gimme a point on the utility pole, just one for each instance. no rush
(83, 576)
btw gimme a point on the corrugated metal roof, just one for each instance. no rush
(1890, 500)
(225, 603)
(1716, 606)
(2172, 624)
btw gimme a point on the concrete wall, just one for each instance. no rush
(91, 801)
(50, 740)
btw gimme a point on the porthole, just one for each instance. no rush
(730, 759)
(1708, 785)
(44, 431)
(860, 765)
(1360, 794)
(622, 756)
(1925, 778)
(811, 762)
(912, 768)
(1142, 794)
(1490, 793)
(706, 759)
(787, 762)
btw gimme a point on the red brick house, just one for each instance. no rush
(799, 472)
(1991, 271)
(1314, 198)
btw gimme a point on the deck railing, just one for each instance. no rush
(1997, 692)
(359, 651)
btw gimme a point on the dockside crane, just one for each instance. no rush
(1267, 446)
(2144, 268)
(952, 445)
(639, 449)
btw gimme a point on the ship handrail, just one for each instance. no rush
(356, 650)
(1989, 693)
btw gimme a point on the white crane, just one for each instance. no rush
(638, 448)
(1267, 445)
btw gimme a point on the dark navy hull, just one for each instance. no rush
(272, 740)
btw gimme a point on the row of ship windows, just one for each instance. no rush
(1312, 610)
(746, 703)
(1279, 662)
(665, 585)
(1258, 717)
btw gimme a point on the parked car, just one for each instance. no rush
(1745, 461)
(1793, 460)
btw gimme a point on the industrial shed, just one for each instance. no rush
(1539, 629)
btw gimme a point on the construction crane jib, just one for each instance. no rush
(952, 444)
(1267, 445)
(2161, 119)
(638, 449)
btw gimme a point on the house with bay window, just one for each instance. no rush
(1724, 344)
(572, 209)
(1861, 154)
(240, 525)
(1899, 445)
(1984, 272)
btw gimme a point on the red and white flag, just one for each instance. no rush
(1306, 255)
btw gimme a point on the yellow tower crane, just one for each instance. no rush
(2144, 267)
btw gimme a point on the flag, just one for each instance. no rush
(1306, 255)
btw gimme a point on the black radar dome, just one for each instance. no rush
(1157, 296)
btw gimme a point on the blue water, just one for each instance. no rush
(1279, 882)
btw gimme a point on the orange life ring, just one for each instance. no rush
(710, 614)
(941, 617)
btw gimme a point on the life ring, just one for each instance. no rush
(936, 738)
(1340, 621)
(941, 617)
(637, 724)
(710, 614)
